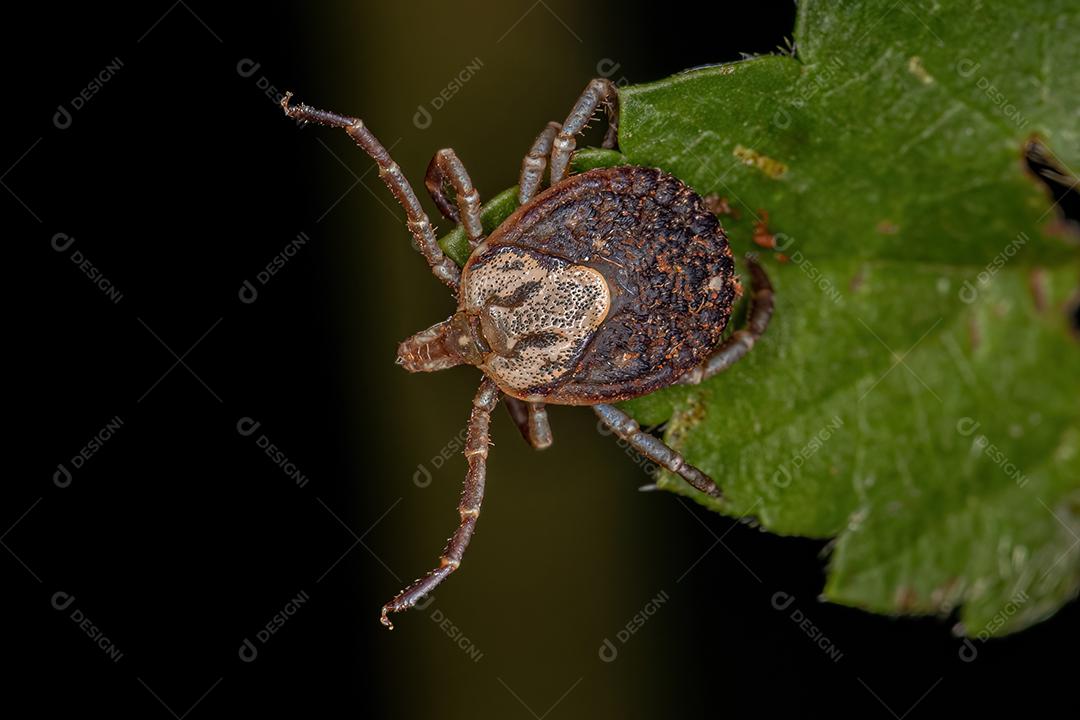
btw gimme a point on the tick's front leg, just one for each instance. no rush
(415, 218)
(535, 162)
(598, 92)
(446, 167)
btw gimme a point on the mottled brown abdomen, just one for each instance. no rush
(667, 264)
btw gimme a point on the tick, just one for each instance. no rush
(609, 284)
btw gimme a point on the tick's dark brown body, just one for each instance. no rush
(667, 264)
(608, 285)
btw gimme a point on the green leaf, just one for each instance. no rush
(917, 395)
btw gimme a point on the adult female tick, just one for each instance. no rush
(609, 284)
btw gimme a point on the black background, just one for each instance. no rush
(171, 179)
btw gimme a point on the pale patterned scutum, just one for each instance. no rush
(537, 313)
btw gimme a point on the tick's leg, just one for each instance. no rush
(535, 162)
(532, 420)
(654, 449)
(598, 92)
(417, 221)
(472, 494)
(740, 342)
(446, 166)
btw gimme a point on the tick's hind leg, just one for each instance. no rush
(446, 167)
(742, 340)
(532, 420)
(416, 219)
(598, 92)
(472, 494)
(654, 449)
